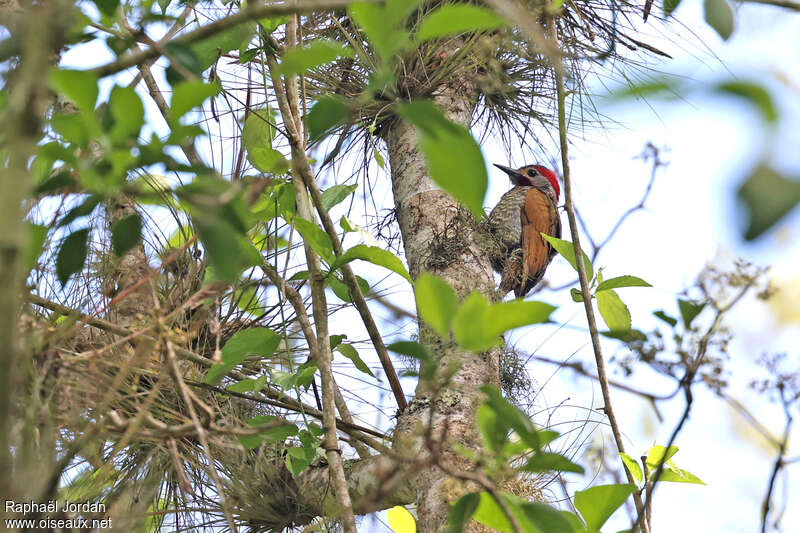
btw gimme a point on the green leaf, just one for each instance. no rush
(575, 521)
(632, 466)
(614, 312)
(516, 419)
(381, 28)
(305, 375)
(257, 136)
(328, 112)
(454, 19)
(436, 302)
(296, 460)
(532, 517)
(375, 255)
(657, 453)
(79, 86)
(396, 11)
(299, 458)
(566, 249)
(622, 281)
(260, 342)
(719, 15)
(416, 351)
(549, 462)
(661, 86)
(490, 514)
(128, 113)
(190, 94)
(492, 430)
(268, 160)
(37, 235)
(455, 161)
(468, 324)
(315, 237)
(767, 196)
(674, 474)
(107, 7)
(72, 127)
(754, 93)
(319, 52)
(690, 310)
(247, 300)
(335, 194)
(185, 57)
(277, 433)
(71, 255)
(400, 520)
(477, 326)
(597, 504)
(228, 251)
(58, 182)
(209, 50)
(336, 340)
(258, 130)
(271, 24)
(547, 519)
(248, 385)
(625, 335)
(126, 233)
(410, 349)
(506, 316)
(462, 511)
(339, 288)
(670, 6)
(666, 318)
(351, 353)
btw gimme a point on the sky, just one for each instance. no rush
(691, 218)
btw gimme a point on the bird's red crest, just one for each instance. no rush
(551, 177)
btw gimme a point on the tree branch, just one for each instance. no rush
(253, 11)
(786, 4)
(322, 355)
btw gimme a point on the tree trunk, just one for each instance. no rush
(439, 237)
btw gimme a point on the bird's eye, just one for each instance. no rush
(532, 173)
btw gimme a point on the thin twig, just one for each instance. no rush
(779, 461)
(786, 4)
(584, 281)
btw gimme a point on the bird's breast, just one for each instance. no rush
(505, 218)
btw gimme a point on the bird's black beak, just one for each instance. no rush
(516, 177)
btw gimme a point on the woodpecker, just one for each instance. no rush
(519, 253)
